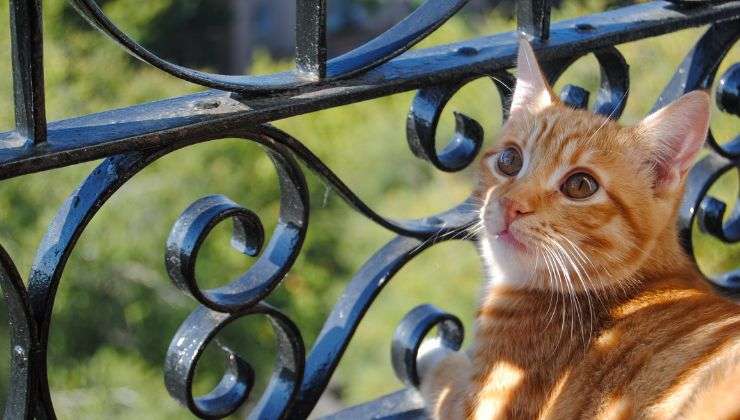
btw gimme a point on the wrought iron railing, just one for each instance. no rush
(241, 106)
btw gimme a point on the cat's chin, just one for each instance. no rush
(506, 262)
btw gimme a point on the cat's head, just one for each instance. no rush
(573, 199)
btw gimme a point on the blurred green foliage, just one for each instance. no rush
(116, 310)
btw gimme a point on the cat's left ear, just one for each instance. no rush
(531, 93)
(677, 133)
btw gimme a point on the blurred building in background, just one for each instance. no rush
(223, 35)
(269, 24)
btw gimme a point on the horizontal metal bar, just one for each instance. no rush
(153, 124)
(405, 404)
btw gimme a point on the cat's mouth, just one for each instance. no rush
(507, 237)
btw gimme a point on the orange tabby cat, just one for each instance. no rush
(591, 309)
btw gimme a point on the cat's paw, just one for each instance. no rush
(431, 352)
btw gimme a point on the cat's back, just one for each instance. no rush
(670, 352)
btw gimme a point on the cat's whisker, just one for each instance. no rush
(470, 233)
(439, 233)
(560, 303)
(611, 114)
(606, 288)
(553, 278)
(422, 244)
(540, 254)
(551, 271)
(620, 284)
(474, 210)
(581, 258)
(563, 283)
(473, 230)
(571, 291)
(584, 259)
(477, 226)
(568, 258)
(577, 321)
(568, 287)
(502, 83)
(551, 283)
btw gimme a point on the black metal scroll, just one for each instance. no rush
(411, 332)
(312, 66)
(130, 139)
(698, 71)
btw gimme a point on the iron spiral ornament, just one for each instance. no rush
(242, 106)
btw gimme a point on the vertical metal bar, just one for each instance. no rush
(28, 69)
(241, 47)
(533, 18)
(310, 54)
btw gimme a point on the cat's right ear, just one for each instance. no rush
(531, 93)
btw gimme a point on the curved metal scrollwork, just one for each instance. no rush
(728, 91)
(22, 333)
(709, 213)
(199, 218)
(195, 223)
(104, 181)
(299, 378)
(191, 339)
(697, 72)
(404, 35)
(613, 87)
(242, 296)
(422, 120)
(410, 333)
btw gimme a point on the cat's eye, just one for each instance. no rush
(579, 186)
(509, 161)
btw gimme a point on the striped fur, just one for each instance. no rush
(599, 313)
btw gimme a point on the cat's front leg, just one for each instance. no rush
(445, 376)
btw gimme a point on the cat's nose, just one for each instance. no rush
(513, 210)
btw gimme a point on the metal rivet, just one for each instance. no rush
(584, 27)
(19, 352)
(210, 104)
(466, 51)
